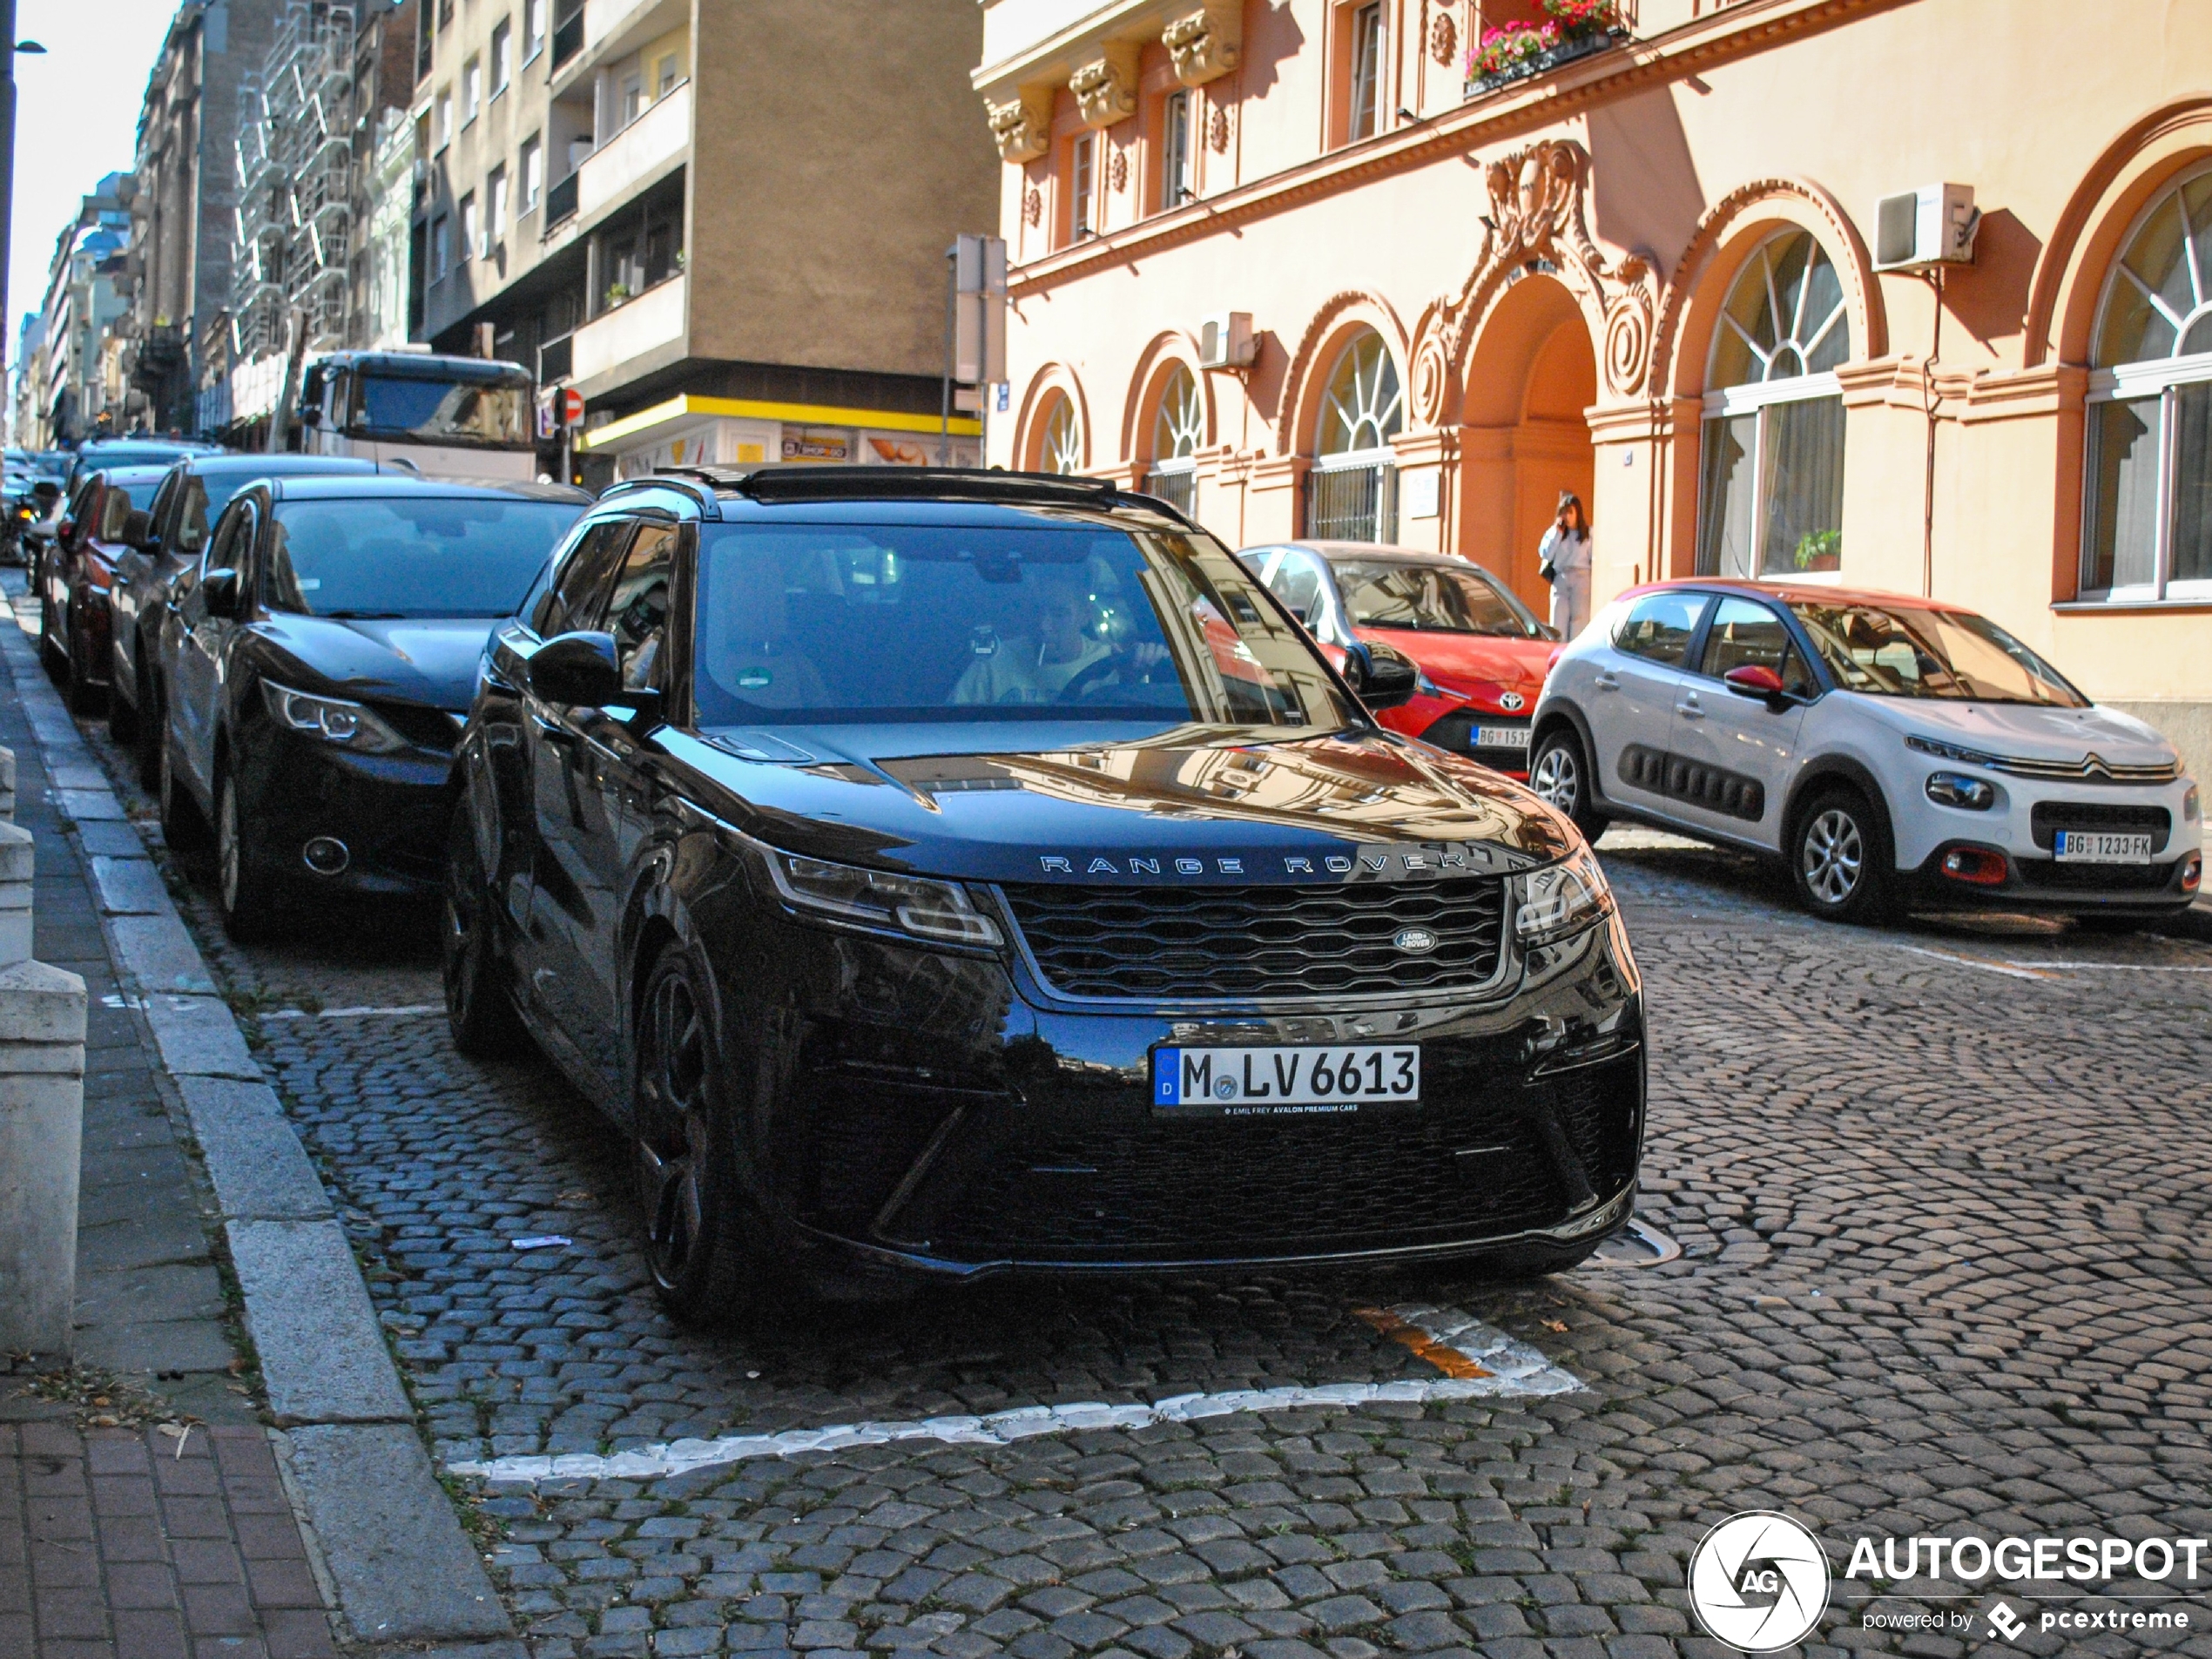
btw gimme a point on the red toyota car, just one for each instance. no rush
(1483, 655)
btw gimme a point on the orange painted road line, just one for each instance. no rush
(1442, 1355)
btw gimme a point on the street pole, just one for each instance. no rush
(952, 301)
(7, 179)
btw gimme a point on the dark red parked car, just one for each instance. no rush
(76, 573)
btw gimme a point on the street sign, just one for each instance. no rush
(979, 333)
(572, 407)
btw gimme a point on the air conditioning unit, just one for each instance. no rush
(1225, 340)
(1932, 225)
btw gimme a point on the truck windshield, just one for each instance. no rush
(410, 557)
(472, 413)
(829, 624)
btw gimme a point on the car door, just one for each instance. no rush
(202, 640)
(612, 758)
(1636, 683)
(1731, 756)
(568, 817)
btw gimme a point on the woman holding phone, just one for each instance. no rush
(1565, 563)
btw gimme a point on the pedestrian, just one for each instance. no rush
(1564, 561)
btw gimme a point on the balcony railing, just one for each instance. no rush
(654, 318)
(640, 151)
(1177, 486)
(561, 200)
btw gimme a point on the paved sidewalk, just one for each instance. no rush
(113, 1545)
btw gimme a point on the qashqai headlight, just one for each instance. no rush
(939, 911)
(1561, 899)
(350, 725)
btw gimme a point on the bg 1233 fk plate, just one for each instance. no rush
(1280, 1081)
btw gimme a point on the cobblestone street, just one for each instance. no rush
(1942, 1193)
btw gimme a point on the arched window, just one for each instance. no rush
(1060, 444)
(1772, 498)
(1178, 428)
(1352, 494)
(2146, 530)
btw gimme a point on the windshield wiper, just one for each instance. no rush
(363, 616)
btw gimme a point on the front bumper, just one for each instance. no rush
(941, 1117)
(389, 811)
(1457, 725)
(2162, 887)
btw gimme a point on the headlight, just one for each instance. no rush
(1424, 686)
(907, 904)
(1955, 789)
(1561, 899)
(1944, 751)
(351, 725)
(2189, 804)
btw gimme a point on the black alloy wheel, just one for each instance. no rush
(701, 1245)
(1838, 855)
(1559, 772)
(479, 1011)
(244, 881)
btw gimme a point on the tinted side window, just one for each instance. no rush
(1744, 634)
(1660, 626)
(191, 517)
(637, 610)
(233, 532)
(579, 581)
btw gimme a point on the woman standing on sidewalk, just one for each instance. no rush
(1565, 555)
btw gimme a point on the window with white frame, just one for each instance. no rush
(1060, 446)
(502, 56)
(1178, 428)
(472, 90)
(469, 249)
(1366, 72)
(440, 248)
(533, 29)
(532, 168)
(1082, 185)
(1771, 498)
(494, 209)
(2147, 500)
(444, 123)
(1351, 493)
(1175, 150)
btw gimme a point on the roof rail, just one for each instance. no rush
(698, 482)
(767, 484)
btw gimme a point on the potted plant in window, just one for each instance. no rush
(1571, 28)
(1820, 551)
(616, 294)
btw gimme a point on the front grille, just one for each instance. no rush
(1468, 1163)
(2051, 875)
(2047, 818)
(2094, 768)
(1210, 943)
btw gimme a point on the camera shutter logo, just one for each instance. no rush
(1758, 1581)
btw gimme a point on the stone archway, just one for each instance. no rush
(1523, 435)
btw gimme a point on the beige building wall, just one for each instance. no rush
(1548, 338)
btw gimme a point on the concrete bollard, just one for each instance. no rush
(8, 784)
(42, 1130)
(17, 856)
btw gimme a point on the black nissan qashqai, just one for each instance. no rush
(941, 873)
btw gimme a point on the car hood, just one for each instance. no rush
(432, 661)
(1482, 665)
(2031, 730)
(1201, 803)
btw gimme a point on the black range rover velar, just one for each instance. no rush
(943, 873)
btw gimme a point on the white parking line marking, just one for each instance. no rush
(1983, 963)
(2016, 969)
(1502, 1367)
(410, 1011)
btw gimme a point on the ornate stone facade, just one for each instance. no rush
(1023, 127)
(1105, 88)
(1206, 43)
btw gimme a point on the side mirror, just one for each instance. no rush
(1386, 677)
(219, 591)
(575, 669)
(1753, 679)
(45, 492)
(137, 529)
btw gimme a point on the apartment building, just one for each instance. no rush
(1880, 293)
(724, 221)
(80, 391)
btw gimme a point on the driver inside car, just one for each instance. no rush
(1040, 665)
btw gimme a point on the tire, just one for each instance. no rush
(122, 717)
(82, 696)
(703, 1243)
(244, 881)
(1559, 772)
(50, 650)
(479, 1011)
(182, 826)
(1839, 858)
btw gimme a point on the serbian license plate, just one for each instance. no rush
(1277, 1082)
(2094, 846)
(1501, 737)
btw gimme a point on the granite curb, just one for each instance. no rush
(392, 1546)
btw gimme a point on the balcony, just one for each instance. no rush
(567, 37)
(560, 202)
(656, 318)
(603, 30)
(635, 157)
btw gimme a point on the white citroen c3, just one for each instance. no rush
(1890, 750)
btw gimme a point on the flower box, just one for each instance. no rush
(1550, 58)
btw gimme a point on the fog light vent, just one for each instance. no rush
(325, 855)
(1982, 866)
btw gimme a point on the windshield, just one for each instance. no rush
(1436, 598)
(850, 622)
(1952, 654)
(412, 557)
(468, 413)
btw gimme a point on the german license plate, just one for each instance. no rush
(2098, 847)
(1282, 1081)
(1501, 737)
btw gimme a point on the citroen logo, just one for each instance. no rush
(1512, 702)
(2095, 766)
(1415, 941)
